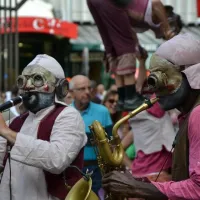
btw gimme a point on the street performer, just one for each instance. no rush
(45, 141)
(175, 77)
(118, 21)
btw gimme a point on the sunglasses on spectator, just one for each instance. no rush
(112, 101)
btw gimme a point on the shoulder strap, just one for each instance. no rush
(46, 125)
(17, 123)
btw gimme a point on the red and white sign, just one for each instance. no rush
(198, 8)
(42, 25)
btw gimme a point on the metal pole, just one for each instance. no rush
(16, 42)
(20, 4)
(1, 67)
(10, 52)
(67, 10)
(5, 47)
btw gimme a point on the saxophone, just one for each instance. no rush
(110, 154)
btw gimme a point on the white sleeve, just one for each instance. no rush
(3, 145)
(67, 139)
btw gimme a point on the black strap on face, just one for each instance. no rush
(122, 3)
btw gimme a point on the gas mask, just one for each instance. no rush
(167, 82)
(40, 85)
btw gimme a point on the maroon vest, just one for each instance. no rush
(55, 182)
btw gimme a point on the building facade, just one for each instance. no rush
(77, 10)
(33, 29)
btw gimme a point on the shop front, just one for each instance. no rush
(36, 35)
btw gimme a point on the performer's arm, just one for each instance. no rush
(9, 135)
(6, 133)
(67, 139)
(125, 185)
(3, 142)
(126, 142)
(149, 191)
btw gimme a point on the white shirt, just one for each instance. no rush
(149, 130)
(30, 156)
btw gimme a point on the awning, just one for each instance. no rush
(195, 30)
(88, 36)
(43, 25)
(148, 40)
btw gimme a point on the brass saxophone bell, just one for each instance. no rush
(82, 190)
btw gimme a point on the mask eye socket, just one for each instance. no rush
(21, 81)
(38, 80)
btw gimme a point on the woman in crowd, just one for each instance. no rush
(110, 101)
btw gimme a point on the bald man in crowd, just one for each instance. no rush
(80, 87)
